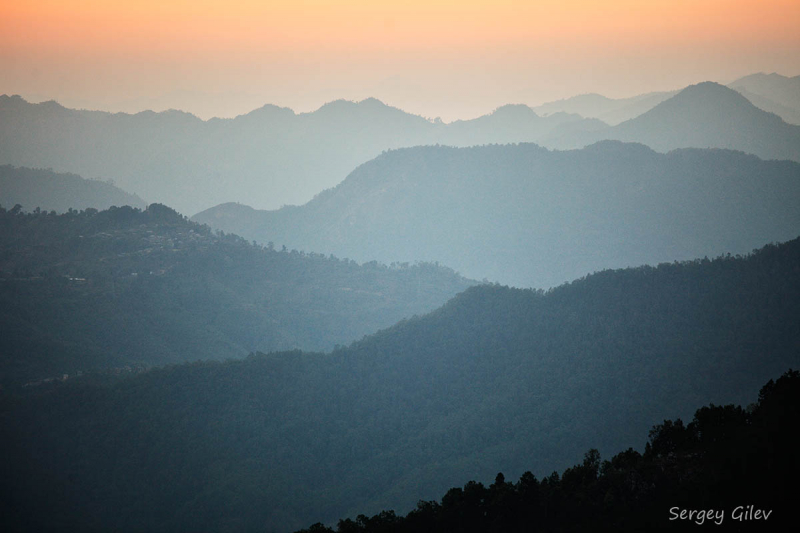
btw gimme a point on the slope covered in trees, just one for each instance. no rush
(50, 191)
(526, 216)
(497, 380)
(729, 467)
(90, 291)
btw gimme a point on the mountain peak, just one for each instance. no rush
(268, 110)
(706, 87)
(12, 101)
(710, 115)
(51, 104)
(761, 76)
(168, 114)
(372, 102)
(343, 104)
(514, 110)
(339, 103)
(705, 97)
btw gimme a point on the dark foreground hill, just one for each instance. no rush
(526, 216)
(497, 380)
(50, 191)
(92, 291)
(730, 468)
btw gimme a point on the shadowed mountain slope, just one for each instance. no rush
(92, 291)
(526, 216)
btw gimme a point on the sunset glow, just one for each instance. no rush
(303, 53)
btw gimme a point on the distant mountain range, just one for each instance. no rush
(609, 110)
(90, 291)
(770, 92)
(496, 380)
(268, 157)
(526, 216)
(707, 115)
(50, 191)
(775, 90)
(272, 156)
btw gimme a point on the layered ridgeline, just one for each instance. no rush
(272, 156)
(497, 380)
(770, 92)
(50, 191)
(610, 110)
(95, 291)
(268, 158)
(527, 216)
(706, 115)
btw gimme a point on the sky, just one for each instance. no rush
(430, 57)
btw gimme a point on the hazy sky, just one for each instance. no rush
(435, 58)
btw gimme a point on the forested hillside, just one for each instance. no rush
(689, 476)
(530, 217)
(96, 291)
(50, 191)
(497, 380)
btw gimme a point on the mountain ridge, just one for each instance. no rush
(270, 157)
(93, 290)
(528, 216)
(705, 115)
(50, 191)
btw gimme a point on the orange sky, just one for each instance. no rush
(454, 59)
